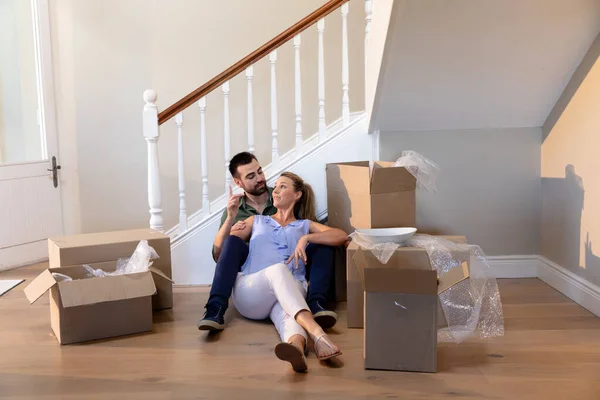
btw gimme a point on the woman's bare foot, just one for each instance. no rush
(324, 348)
(293, 352)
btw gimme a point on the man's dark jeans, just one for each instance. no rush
(234, 253)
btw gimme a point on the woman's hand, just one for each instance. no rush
(300, 251)
(239, 226)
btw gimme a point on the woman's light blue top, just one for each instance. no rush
(271, 243)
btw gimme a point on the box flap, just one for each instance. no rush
(40, 285)
(103, 238)
(452, 277)
(160, 273)
(389, 179)
(348, 177)
(109, 288)
(408, 281)
(360, 263)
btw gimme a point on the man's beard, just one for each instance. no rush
(257, 191)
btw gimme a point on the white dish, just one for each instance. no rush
(386, 235)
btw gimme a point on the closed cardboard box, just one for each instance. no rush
(359, 199)
(400, 312)
(110, 246)
(88, 308)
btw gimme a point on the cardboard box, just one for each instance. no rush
(108, 247)
(96, 308)
(358, 199)
(404, 257)
(401, 308)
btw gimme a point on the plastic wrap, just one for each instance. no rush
(141, 259)
(61, 277)
(424, 170)
(473, 306)
(382, 251)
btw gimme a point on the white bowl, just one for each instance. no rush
(386, 235)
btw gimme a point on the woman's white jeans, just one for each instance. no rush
(272, 292)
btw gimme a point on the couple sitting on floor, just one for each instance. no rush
(269, 277)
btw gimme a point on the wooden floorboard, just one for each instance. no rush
(551, 350)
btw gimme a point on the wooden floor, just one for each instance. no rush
(551, 350)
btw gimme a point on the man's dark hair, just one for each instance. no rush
(243, 158)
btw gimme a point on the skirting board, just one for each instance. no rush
(573, 286)
(22, 255)
(514, 266)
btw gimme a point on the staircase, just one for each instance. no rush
(344, 139)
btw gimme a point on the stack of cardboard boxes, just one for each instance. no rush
(397, 302)
(87, 308)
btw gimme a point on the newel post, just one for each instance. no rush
(151, 134)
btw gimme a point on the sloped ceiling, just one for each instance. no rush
(469, 64)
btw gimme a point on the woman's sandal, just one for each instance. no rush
(292, 353)
(326, 341)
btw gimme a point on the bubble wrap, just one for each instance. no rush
(424, 170)
(140, 261)
(473, 306)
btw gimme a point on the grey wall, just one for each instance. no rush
(480, 63)
(489, 186)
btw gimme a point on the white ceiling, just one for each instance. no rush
(469, 64)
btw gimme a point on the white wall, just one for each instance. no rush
(20, 139)
(107, 53)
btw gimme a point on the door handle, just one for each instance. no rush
(54, 171)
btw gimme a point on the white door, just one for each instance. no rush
(30, 194)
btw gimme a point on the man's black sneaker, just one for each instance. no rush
(213, 319)
(322, 315)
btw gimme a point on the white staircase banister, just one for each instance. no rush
(151, 134)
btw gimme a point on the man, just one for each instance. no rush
(257, 200)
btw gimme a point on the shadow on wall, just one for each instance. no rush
(592, 262)
(562, 207)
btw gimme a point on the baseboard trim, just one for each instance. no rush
(23, 255)
(514, 266)
(571, 285)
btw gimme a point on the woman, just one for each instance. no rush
(272, 281)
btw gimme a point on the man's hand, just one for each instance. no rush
(233, 205)
(299, 252)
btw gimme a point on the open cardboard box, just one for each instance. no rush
(89, 308)
(359, 197)
(91, 248)
(401, 306)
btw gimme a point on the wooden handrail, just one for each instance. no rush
(249, 60)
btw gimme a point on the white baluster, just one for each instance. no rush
(275, 145)
(345, 68)
(227, 135)
(151, 134)
(321, 79)
(298, 101)
(368, 19)
(249, 76)
(203, 156)
(181, 174)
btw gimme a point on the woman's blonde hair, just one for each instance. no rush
(305, 207)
